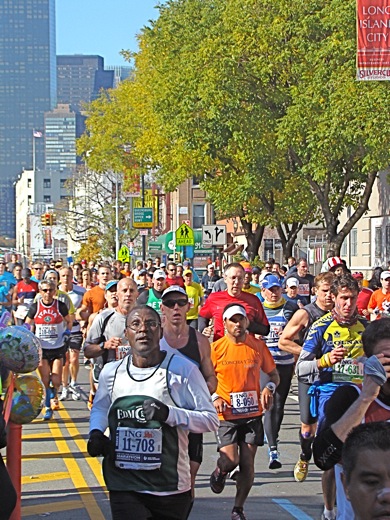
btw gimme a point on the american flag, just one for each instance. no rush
(36, 133)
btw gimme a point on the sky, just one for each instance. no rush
(101, 27)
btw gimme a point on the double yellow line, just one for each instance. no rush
(74, 472)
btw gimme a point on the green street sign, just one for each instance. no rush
(143, 217)
(154, 248)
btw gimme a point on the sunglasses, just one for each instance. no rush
(47, 290)
(171, 303)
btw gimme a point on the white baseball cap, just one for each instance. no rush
(176, 289)
(385, 275)
(234, 309)
(159, 273)
(292, 282)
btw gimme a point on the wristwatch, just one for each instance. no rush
(271, 386)
(101, 345)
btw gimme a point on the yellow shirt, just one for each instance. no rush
(195, 293)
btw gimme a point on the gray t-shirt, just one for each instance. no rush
(115, 327)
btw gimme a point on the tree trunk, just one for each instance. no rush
(253, 238)
(288, 235)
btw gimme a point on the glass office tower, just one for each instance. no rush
(27, 90)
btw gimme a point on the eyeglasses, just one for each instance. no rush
(37, 268)
(171, 303)
(136, 324)
(172, 269)
(47, 290)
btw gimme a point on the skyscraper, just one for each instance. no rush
(60, 140)
(80, 78)
(27, 90)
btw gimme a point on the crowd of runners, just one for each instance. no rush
(173, 353)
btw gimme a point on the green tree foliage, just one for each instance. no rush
(259, 98)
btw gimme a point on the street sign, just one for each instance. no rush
(214, 235)
(124, 254)
(184, 236)
(142, 217)
(143, 232)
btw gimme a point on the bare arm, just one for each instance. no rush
(30, 322)
(266, 394)
(290, 333)
(206, 365)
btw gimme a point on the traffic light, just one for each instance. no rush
(46, 219)
(53, 219)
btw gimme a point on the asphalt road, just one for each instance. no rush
(61, 481)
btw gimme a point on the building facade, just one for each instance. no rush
(27, 91)
(60, 140)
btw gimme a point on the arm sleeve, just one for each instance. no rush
(307, 361)
(32, 311)
(63, 309)
(143, 298)
(327, 447)
(194, 411)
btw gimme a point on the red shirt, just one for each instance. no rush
(178, 280)
(363, 299)
(216, 302)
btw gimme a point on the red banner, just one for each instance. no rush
(373, 40)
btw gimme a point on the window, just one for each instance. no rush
(28, 183)
(46, 198)
(343, 250)
(63, 183)
(378, 242)
(198, 218)
(388, 243)
(353, 242)
(196, 180)
(47, 183)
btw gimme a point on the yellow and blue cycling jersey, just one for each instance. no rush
(326, 334)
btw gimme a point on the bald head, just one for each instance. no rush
(127, 294)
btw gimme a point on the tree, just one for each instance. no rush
(89, 215)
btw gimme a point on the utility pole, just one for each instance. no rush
(116, 217)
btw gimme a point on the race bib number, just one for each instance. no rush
(210, 285)
(48, 332)
(137, 448)
(122, 351)
(304, 289)
(348, 370)
(191, 301)
(244, 402)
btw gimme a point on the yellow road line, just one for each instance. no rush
(76, 475)
(51, 507)
(37, 436)
(93, 462)
(45, 477)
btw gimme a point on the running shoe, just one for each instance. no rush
(331, 516)
(64, 394)
(238, 514)
(75, 391)
(87, 364)
(301, 470)
(274, 462)
(217, 481)
(90, 401)
(48, 414)
(234, 473)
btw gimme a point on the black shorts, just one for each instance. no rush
(146, 506)
(304, 404)
(195, 447)
(75, 341)
(50, 354)
(248, 431)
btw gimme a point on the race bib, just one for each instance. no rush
(122, 351)
(348, 371)
(191, 301)
(210, 286)
(48, 332)
(244, 402)
(138, 449)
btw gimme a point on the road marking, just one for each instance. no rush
(53, 506)
(45, 477)
(293, 510)
(37, 436)
(77, 477)
(93, 462)
(294, 397)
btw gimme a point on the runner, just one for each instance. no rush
(217, 301)
(179, 337)
(152, 297)
(140, 395)
(291, 341)
(306, 280)
(238, 358)
(23, 296)
(379, 304)
(50, 319)
(195, 298)
(72, 363)
(172, 278)
(331, 351)
(208, 280)
(93, 300)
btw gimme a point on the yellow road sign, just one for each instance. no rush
(124, 254)
(185, 236)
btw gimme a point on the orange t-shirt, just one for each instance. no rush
(376, 301)
(94, 299)
(237, 367)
